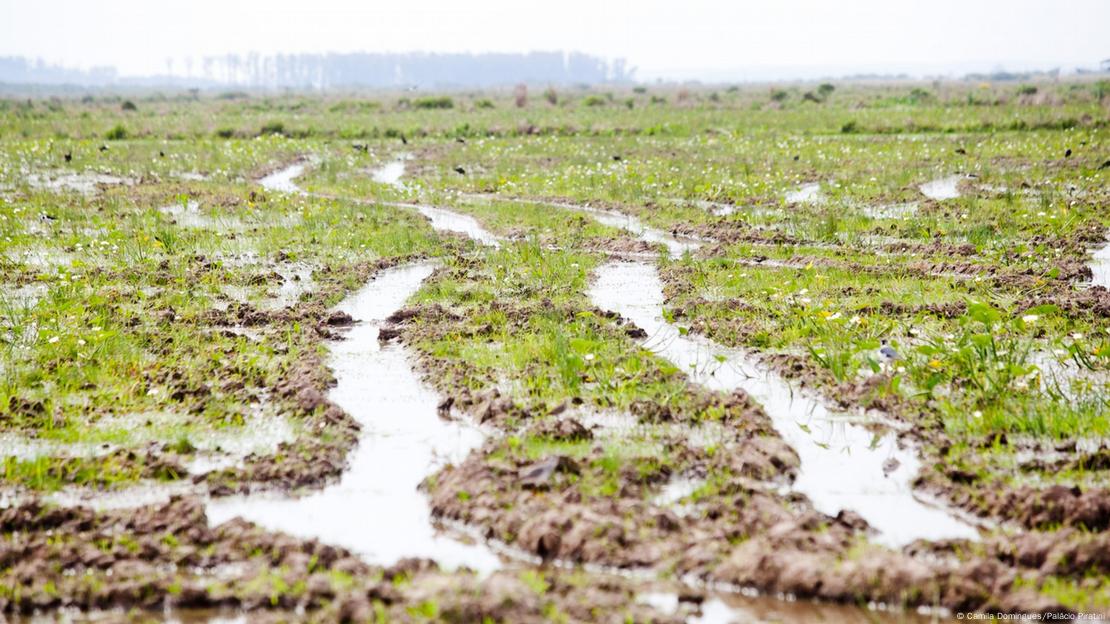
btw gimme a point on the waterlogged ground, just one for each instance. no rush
(649, 355)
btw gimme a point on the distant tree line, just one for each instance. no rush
(19, 70)
(333, 70)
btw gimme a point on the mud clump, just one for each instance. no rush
(308, 460)
(563, 430)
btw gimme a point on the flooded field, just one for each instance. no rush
(696, 356)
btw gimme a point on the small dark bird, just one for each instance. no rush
(960, 150)
(68, 156)
(796, 157)
(1104, 165)
(161, 154)
(1067, 152)
(46, 218)
(617, 157)
(360, 147)
(404, 141)
(104, 148)
(460, 140)
(460, 171)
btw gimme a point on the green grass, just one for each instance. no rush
(131, 287)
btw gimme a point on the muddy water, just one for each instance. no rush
(943, 188)
(376, 509)
(843, 465)
(282, 179)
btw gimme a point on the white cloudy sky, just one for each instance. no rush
(675, 38)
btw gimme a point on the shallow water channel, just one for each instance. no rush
(844, 465)
(282, 179)
(376, 509)
(676, 245)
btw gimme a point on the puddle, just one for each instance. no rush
(943, 188)
(843, 465)
(1066, 379)
(375, 509)
(189, 215)
(891, 211)
(43, 259)
(282, 180)
(84, 183)
(806, 194)
(441, 219)
(446, 220)
(675, 246)
(140, 495)
(390, 173)
(21, 297)
(1100, 267)
(23, 448)
(296, 280)
(716, 208)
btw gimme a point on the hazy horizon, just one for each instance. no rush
(697, 41)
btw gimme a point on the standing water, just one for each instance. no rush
(944, 188)
(376, 509)
(806, 194)
(676, 245)
(282, 179)
(441, 218)
(1100, 267)
(446, 220)
(843, 465)
(390, 173)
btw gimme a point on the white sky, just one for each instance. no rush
(706, 39)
